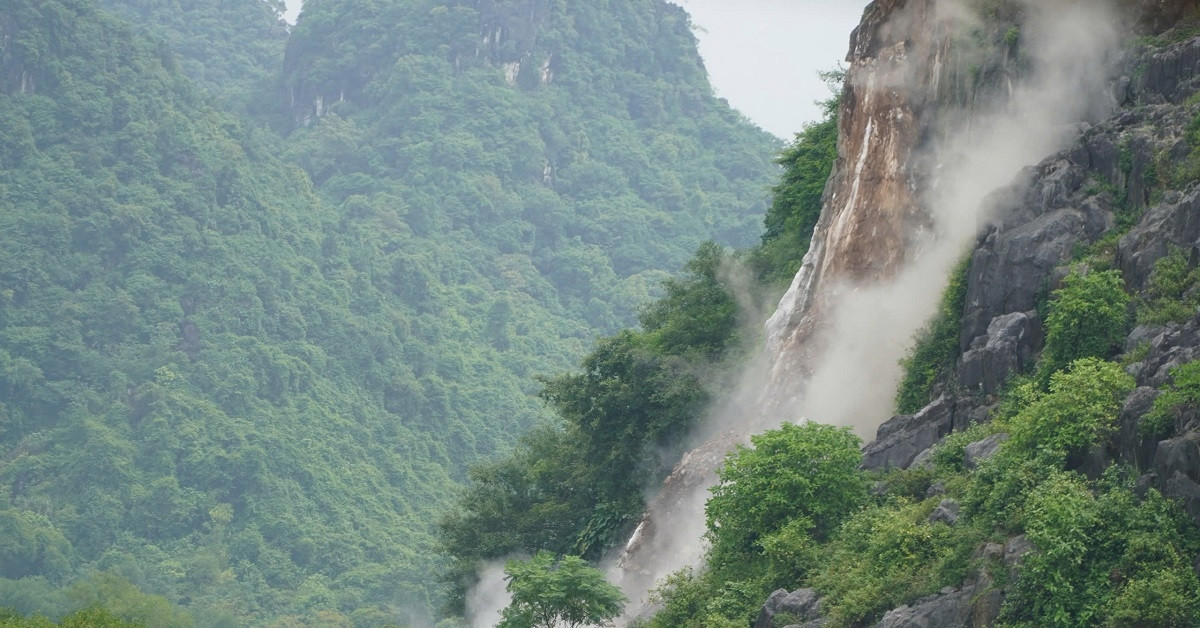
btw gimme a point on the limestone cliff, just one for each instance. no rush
(970, 127)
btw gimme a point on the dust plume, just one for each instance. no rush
(865, 327)
(489, 597)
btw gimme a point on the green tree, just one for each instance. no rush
(1088, 319)
(549, 593)
(799, 480)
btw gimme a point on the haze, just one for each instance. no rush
(763, 55)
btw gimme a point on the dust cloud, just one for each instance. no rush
(1069, 47)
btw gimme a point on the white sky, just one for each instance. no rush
(763, 55)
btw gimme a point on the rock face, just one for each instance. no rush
(871, 208)
(976, 453)
(802, 605)
(903, 437)
(1010, 344)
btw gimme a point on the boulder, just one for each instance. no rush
(975, 453)
(946, 512)
(901, 438)
(1015, 550)
(801, 605)
(1132, 447)
(1011, 343)
(951, 608)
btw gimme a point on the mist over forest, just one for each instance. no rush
(476, 313)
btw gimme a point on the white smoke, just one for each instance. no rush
(489, 597)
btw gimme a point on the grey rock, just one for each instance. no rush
(1171, 71)
(948, 609)
(923, 460)
(1162, 227)
(1015, 550)
(1184, 489)
(1132, 447)
(1012, 265)
(901, 438)
(1011, 342)
(1142, 334)
(1179, 455)
(769, 609)
(976, 453)
(935, 489)
(802, 605)
(946, 512)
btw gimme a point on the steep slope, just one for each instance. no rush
(231, 49)
(1048, 443)
(254, 396)
(579, 141)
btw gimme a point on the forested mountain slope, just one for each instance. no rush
(247, 371)
(231, 49)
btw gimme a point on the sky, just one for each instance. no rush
(763, 55)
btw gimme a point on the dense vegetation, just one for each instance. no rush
(246, 371)
(578, 488)
(1103, 554)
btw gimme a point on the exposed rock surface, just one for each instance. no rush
(801, 605)
(901, 438)
(946, 512)
(977, 452)
(1010, 344)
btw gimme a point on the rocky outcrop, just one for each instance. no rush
(1175, 345)
(902, 438)
(1010, 344)
(976, 453)
(801, 605)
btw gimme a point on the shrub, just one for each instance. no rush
(799, 479)
(884, 557)
(1078, 412)
(1167, 298)
(936, 347)
(1182, 392)
(1087, 319)
(568, 592)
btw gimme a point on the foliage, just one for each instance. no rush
(1077, 413)
(568, 592)
(1087, 319)
(1170, 292)
(883, 557)
(796, 200)
(1180, 395)
(229, 49)
(797, 481)
(247, 372)
(90, 617)
(1100, 556)
(936, 347)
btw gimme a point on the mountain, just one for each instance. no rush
(976, 404)
(246, 367)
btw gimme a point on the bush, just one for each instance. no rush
(1104, 558)
(1079, 411)
(1183, 392)
(884, 557)
(1087, 319)
(568, 592)
(936, 347)
(799, 480)
(1169, 296)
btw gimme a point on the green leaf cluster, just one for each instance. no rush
(1170, 295)
(248, 371)
(1088, 317)
(567, 592)
(936, 347)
